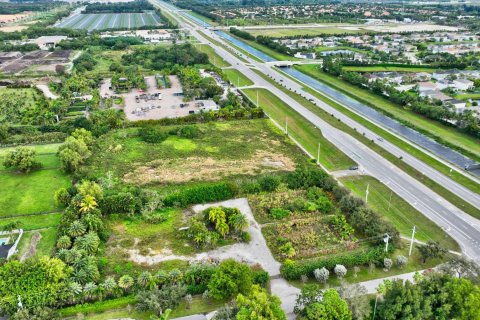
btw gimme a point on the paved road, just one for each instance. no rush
(464, 228)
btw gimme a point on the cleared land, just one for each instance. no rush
(211, 156)
(312, 31)
(31, 193)
(398, 211)
(300, 129)
(435, 129)
(103, 21)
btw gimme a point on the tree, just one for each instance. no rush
(90, 188)
(88, 203)
(357, 300)
(76, 229)
(89, 242)
(158, 300)
(41, 283)
(331, 307)
(73, 154)
(64, 242)
(431, 250)
(125, 282)
(230, 279)
(387, 263)
(22, 159)
(62, 197)
(259, 305)
(145, 279)
(309, 294)
(321, 275)
(435, 296)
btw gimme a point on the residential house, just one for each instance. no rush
(458, 105)
(463, 84)
(48, 42)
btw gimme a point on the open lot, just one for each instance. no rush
(21, 63)
(213, 155)
(103, 21)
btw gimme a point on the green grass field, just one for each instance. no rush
(213, 57)
(300, 129)
(374, 68)
(467, 96)
(289, 32)
(213, 155)
(454, 138)
(30, 193)
(398, 211)
(237, 78)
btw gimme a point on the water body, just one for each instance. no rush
(431, 145)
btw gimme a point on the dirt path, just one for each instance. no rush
(32, 247)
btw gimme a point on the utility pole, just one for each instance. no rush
(318, 154)
(411, 242)
(366, 193)
(386, 239)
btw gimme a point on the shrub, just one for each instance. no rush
(22, 159)
(387, 263)
(246, 237)
(230, 279)
(279, 213)
(269, 183)
(401, 261)
(340, 271)
(261, 277)
(62, 197)
(152, 135)
(321, 275)
(190, 131)
(122, 202)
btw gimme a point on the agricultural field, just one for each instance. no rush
(212, 155)
(105, 21)
(17, 104)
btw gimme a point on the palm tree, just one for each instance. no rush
(88, 203)
(161, 277)
(75, 290)
(88, 242)
(93, 221)
(64, 242)
(239, 222)
(215, 215)
(90, 290)
(109, 285)
(76, 229)
(145, 279)
(125, 282)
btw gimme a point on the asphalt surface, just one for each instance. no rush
(462, 227)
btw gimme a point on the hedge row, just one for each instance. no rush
(200, 194)
(293, 270)
(97, 307)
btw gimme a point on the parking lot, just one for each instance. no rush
(157, 103)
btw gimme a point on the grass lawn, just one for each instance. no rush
(300, 129)
(288, 32)
(30, 192)
(322, 49)
(44, 246)
(398, 211)
(466, 96)
(224, 47)
(458, 177)
(447, 135)
(414, 264)
(237, 78)
(213, 57)
(213, 155)
(374, 68)
(35, 222)
(203, 18)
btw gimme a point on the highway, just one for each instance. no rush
(462, 227)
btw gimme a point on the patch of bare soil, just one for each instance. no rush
(207, 169)
(32, 247)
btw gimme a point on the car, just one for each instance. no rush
(354, 167)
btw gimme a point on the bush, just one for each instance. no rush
(269, 183)
(152, 135)
(261, 278)
(401, 261)
(200, 194)
(230, 279)
(62, 197)
(122, 202)
(340, 271)
(321, 275)
(22, 159)
(279, 213)
(292, 270)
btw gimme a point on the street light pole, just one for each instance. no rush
(411, 242)
(318, 154)
(366, 193)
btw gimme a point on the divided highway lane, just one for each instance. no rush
(465, 229)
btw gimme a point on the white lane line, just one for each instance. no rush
(129, 21)
(114, 21)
